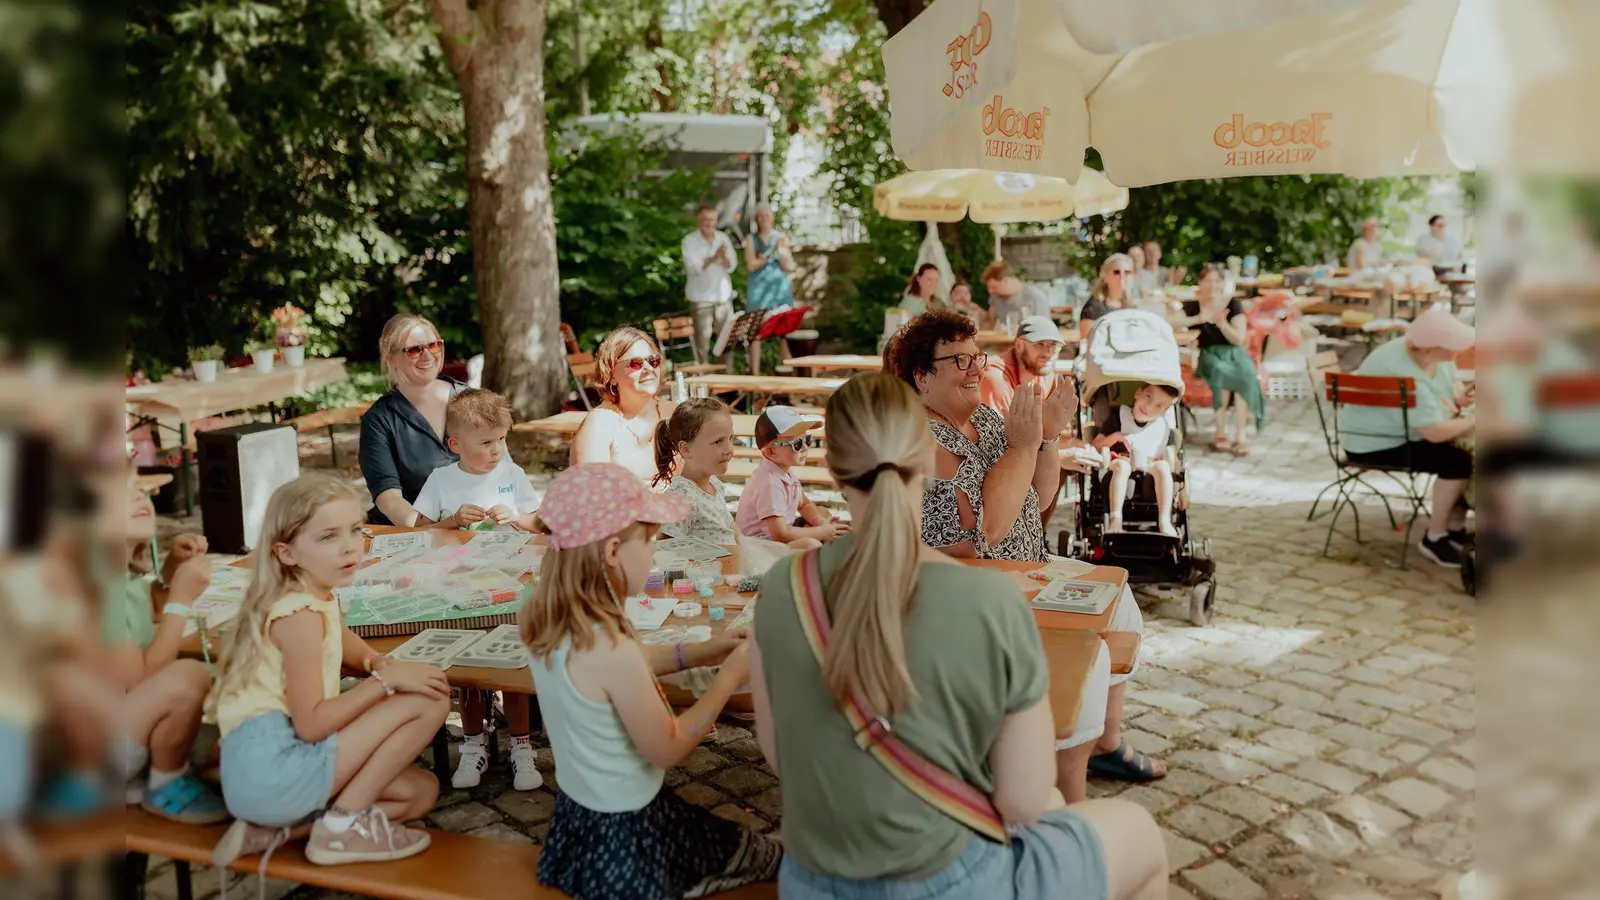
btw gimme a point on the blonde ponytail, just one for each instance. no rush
(878, 443)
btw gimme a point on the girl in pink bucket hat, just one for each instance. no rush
(614, 833)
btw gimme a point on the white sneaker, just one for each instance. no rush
(524, 775)
(469, 771)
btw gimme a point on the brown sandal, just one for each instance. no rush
(1220, 443)
(1241, 450)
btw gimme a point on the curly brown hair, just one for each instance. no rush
(911, 351)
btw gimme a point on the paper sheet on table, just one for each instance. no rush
(646, 613)
(391, 544)
(690, 548)
(213, 611)
(1089, 598)
(498, 544)
(1063, 567)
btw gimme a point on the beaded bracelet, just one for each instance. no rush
(383, 684)
(677, 652)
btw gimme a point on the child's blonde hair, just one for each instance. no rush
(290, 508)
(683, 427)
(575, 593)
(477, 408)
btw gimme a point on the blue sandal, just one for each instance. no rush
(186, 800)
(1125, 764)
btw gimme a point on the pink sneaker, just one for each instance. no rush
(370, 839)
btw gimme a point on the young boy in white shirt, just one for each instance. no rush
(484, 489)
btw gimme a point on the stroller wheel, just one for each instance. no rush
(1201, 599)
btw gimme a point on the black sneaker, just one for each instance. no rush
(1460, 537)
(1441, 551)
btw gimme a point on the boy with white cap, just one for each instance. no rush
(773, 505)
(1373, 435)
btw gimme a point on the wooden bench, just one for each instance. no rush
(740, 469)
(327, 418)
(454, 867)
(66, 844)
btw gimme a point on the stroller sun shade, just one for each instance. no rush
(1131, 345)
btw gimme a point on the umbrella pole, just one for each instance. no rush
(998, 234)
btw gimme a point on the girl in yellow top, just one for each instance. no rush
(294, 749)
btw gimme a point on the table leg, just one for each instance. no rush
(185, 879)
(441, 758)
(183, 467)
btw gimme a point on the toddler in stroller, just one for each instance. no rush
(1131, 383)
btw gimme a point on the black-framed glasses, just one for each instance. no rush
(639, 362)
(435, 348)
(965, 361)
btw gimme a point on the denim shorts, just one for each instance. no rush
(272, 778)
(16, 770)
(1058, 857)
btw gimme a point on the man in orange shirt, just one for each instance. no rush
(1031, 358)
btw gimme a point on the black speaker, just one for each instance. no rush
(240, 467)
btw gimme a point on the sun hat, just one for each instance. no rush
(780, 423)
(1039, 328)
(592, 502)
(1438, 328)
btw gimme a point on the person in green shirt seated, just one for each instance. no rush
(129, 688)
(1424, 437)
(951, 657)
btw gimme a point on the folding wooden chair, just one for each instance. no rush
(1345, 390)
(674, 333)
(580, 366)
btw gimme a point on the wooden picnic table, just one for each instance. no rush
(174, 403)
(1071, 641)
(766, 384)
(848, 362)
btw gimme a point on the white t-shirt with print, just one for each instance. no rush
(1148, 442)
(448, 488)
(709, 518)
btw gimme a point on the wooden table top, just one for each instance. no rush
(1071, 640)
(767, 384)
(850, 361)
(239, 388)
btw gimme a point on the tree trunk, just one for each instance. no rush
(497, 51)
(897, 14)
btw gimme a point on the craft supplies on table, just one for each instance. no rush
(686, 610)
(501, 648)
(385, 545)
(647, 613)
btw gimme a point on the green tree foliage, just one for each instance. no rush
(279, 154)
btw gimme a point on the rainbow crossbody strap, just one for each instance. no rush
(943, 791)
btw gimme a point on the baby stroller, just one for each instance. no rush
(1128, 349)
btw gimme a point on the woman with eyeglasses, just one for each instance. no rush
(627, 370)
(403, 434)
(989, 471)
(1111, 291)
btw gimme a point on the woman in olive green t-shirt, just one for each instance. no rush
(951, 656)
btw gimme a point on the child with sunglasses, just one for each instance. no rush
(773, 505)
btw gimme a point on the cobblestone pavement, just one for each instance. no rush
(1320, 731)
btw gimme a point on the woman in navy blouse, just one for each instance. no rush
(402, 435)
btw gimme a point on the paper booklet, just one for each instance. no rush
(1090, 598)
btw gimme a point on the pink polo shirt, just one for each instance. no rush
(770, 492)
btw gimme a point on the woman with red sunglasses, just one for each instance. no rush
(403, 434)
(621, 430)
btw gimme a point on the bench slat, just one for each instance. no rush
(452, 868)
(322, 418)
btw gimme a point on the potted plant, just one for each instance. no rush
(263, 354)
(207, 361)
(290, 333)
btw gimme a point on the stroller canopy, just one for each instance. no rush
(1131, 345)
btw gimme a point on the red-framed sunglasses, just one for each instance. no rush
(436, 348)
(639, 362)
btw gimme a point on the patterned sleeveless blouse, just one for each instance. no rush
(941, 523)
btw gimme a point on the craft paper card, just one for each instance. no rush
(498, 544)
(647, 613)
(391, 544)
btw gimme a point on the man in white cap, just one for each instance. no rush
(1031, 359)
(1373, 435)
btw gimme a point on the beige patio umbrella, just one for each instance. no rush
(950, 195)
(1381, 87)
